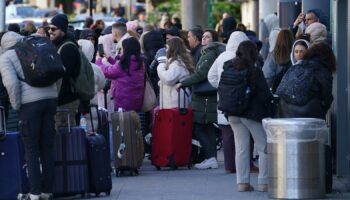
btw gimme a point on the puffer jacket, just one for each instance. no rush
(169, 76)
(11, 70)
(204, 107)
(216, 69)
(127, 89)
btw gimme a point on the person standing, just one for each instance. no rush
(36, 108)
(195, 40)
(204, 106)
(69, 52)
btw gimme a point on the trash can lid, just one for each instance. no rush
(295, 129)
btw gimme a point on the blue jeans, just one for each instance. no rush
(37, 128)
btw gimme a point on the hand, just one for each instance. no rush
(178, 86)
(299, 19)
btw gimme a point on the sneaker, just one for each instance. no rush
(46, 196)
(262, 187)
(245, 187)
(28, 197)
(210, 163)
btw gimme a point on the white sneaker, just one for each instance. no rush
(210, 163)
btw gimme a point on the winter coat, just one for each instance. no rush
(169, 77)
(204, 107)
(127, 89)
(317, 32)
(321, 91)
(71, 60)
(216, 69)
(11, 70)
(260, 101)
(196, 53)
(271, 69)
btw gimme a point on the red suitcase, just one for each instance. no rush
(172, 137)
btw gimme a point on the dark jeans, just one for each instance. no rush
(205, 133)
(37, 128)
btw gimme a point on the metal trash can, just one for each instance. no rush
(295, 149)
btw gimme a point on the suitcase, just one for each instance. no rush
(172, 137)
(127, 142)
(98, 161)
(13, 174)
(71, 163)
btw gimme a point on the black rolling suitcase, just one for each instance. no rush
(98, 161)
(71, 162)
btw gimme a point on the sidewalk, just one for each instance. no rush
(184, 184)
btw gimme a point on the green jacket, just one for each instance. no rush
(204, 107)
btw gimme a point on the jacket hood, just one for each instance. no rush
(317, 32)
(87, 48)
(292, 53)
(271, 22)
(235, 39)
(9, 39)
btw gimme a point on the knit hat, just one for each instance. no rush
(60, 21)
(317, 32)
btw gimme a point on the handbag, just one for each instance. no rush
(204, 88)
(149, 97)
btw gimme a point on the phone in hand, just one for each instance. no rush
(100, 50)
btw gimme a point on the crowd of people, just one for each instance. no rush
(173, 58)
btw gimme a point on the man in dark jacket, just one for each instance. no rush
(70, 55)
(195, 40)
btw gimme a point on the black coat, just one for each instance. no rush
(261, 99)
(321, 99)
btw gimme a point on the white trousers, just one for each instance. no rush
(242, 128)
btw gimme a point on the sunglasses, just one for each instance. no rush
(53, 28)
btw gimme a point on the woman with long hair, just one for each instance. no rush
(248, 123)
(278, 61)
(178, 65)
(127, 75)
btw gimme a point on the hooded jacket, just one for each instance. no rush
(11, 70)
(292, 58)
(216, 69)
(272, 24)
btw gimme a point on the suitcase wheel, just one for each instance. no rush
(174, 167)
(158, 168)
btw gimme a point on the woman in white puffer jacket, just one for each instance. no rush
(176, 66)
(214, 75)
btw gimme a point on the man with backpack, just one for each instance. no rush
(70, 90)
(36, 103)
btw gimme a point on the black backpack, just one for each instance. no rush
(234, 90)
(277, 79)
(296, 85)
(41, 64)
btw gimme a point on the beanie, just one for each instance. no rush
(60, 21)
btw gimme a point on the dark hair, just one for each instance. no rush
(316, 12)
(246, 56)
(323, 53)
(14, 27)
(213, 33)
(304, 36)
(120, 26)
(131, 47)
(198, 32)
(302, 43)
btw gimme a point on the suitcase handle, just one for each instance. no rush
(67, 111)
(183, 111)
(99, 118)
(3, 125)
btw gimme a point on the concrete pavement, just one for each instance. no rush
(184, 184)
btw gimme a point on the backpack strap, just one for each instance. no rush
(64, 44)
